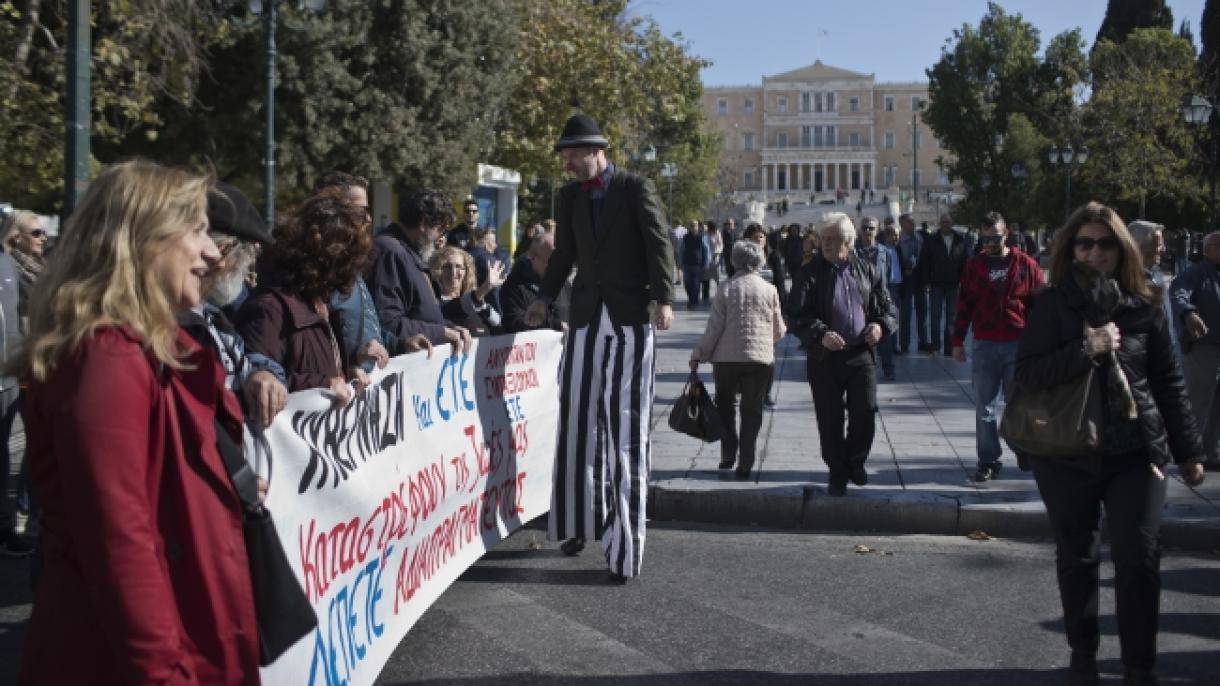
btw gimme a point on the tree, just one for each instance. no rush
(1209, 54)
(991, 83)
(1125, 16)
(1140, 145)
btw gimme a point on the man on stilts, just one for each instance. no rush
(611, 228)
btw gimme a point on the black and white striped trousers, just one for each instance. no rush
(603, 452)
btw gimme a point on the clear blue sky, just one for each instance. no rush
(894, 39)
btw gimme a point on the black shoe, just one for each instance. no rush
(741, 474)
(836, 488)
(890, 375)
(618, 579)
(572, 546)
(987, 472)
(858, 476)
(900, 351)
(769, 403)
(1139, 677)
(1082, 670)
(1212, 465)
(12, 545)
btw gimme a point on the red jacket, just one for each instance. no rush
(996, 316)
(144, 579)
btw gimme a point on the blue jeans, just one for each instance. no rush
(991, 371)
(943, 301)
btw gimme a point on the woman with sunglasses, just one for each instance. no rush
(24, 239)
(1126, 473)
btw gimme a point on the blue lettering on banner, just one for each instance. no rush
(423, 412)
(351, 626)
(451, 385)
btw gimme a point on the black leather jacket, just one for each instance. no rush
(1051, 352)
(813, 294)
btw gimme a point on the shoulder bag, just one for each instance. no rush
(694, 413)
(1059, 421)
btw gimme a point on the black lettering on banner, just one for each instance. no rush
(341, 439)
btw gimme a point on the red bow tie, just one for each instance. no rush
(592, 184)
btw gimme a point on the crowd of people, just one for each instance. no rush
(171, 320)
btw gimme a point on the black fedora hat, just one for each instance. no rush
(581, 131)
(230, 212)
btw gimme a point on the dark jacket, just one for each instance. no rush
(144, 569)
(696, 253)
(779, 277)
(402, 289)
(1051, 352)
(518, 292)
(626, 264)
(809, 304)
(938, 267)
(286, 329)
(460, 236)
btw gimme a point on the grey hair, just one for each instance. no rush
(747, 256)
(9, 221)
(1142, 230)
(838, 222)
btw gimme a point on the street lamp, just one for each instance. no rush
(269, 11)
(669, 170)
(1067, 157)
(1199, 111)
(915, 151)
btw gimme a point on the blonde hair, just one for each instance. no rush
(102, 273)
(10, 223)
(468, 278)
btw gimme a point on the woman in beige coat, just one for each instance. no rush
(745, 325)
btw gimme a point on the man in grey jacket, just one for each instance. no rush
(11, 543)
(1196, 307)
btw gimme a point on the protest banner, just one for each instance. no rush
(382, 504)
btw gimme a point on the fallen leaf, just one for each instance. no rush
(861, 549)
(535, 544)
(977, 535)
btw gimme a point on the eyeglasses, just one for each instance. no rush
(38, 233)
(1086, 243)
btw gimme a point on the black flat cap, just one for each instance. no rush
(230, 212)
(581, 132)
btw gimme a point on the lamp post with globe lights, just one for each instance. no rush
(1067, 157)
(1200, 112)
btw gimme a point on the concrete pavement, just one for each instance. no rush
(919, 469)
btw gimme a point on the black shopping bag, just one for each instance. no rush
(694, 413)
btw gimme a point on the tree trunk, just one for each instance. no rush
(25, 40)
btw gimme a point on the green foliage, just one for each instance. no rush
(641, 86)
(1125, 16)
(1209, 38)
(1141, 146)
(994, 102)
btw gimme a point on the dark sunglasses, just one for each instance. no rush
(38, 233)
(1086, 244)
(990, 240)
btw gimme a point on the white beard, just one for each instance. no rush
(228, 288)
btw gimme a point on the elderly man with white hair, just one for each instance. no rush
(841, 310)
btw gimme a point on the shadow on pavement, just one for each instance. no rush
(983, 677)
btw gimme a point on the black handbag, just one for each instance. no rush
(281, 607)
(1059, 421)
(694, 413)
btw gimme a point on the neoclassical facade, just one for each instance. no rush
(820, 129)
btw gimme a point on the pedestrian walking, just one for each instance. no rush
(840, 310)
(612, 229)
(144, 571)
(745, 324)
(941, 263)
(1196, 306)
(1150, 238)
(913, 304)
(870, 250)
(696, 257)
(712, 272)
(998, 289)
(16, 227)
(1125, 473)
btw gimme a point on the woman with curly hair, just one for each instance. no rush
(463, 302)
(320, 250)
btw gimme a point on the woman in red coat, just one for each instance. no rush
(144, 577)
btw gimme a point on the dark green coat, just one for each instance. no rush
(627, 264)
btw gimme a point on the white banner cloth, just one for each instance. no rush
(382, 504)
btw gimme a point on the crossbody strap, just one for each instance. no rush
(245, 481)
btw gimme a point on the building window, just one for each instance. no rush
(747, 140)
(817, 137)
(748, 179)
(830, 136)
(853, 104)
(748, 105)
(781, 140)
(943, 178)
(806, 101)
(853, 139)
(830, 102)
(915, 101)
(887, 179)
(889, 103)
(889, 140)
(722, 106)
(781, 104)
(806, 136)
